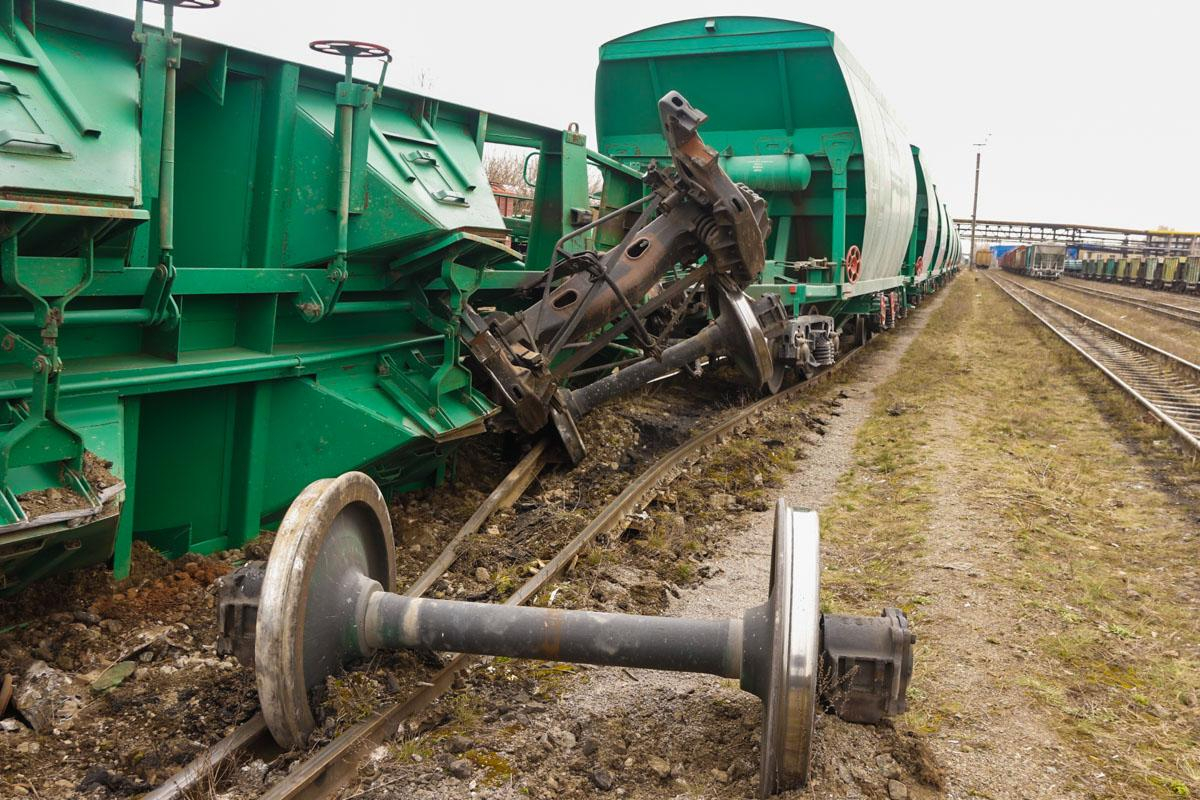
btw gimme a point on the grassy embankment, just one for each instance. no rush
(1095, 511)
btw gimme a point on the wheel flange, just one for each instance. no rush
(794, 616)
(335, 537)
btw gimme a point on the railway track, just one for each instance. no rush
(331, 767)
(1185, 300)
(1166, 385)
(1169, 310)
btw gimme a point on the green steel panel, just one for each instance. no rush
(213, 397)
(218, 152)
(183, 487)
(51, 150)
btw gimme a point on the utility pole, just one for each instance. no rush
(975, 201)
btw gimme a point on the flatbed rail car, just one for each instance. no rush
(858, 227)
(185, 300)
(1036, 260)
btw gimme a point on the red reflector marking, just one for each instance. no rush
(791, 290)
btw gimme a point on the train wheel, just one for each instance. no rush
(302, 614)
(853, 263)
(862, 330)
(794, 611)
(777, 380)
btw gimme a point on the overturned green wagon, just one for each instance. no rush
(224, 275)
(228, 274)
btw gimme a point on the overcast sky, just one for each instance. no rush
(1093, 107)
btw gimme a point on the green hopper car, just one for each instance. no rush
(857, 222)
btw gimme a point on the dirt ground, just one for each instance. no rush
(1040, 533)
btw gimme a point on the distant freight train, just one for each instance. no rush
(1036, 260)
(984, 258)
(1170, 274)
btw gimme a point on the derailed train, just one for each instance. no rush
(225, 275)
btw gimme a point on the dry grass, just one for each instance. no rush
(1104, 511)
(1096, 508)
(882, 507)
(352, 697)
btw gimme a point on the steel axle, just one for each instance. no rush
(736, 331)
(394, 621)
(321, 602)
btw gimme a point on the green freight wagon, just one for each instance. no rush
(1148, 271)
(1172, 272)
(856, 220)
(1191, 276)
(224, 275)
(1133, 268)
(1121, 271)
